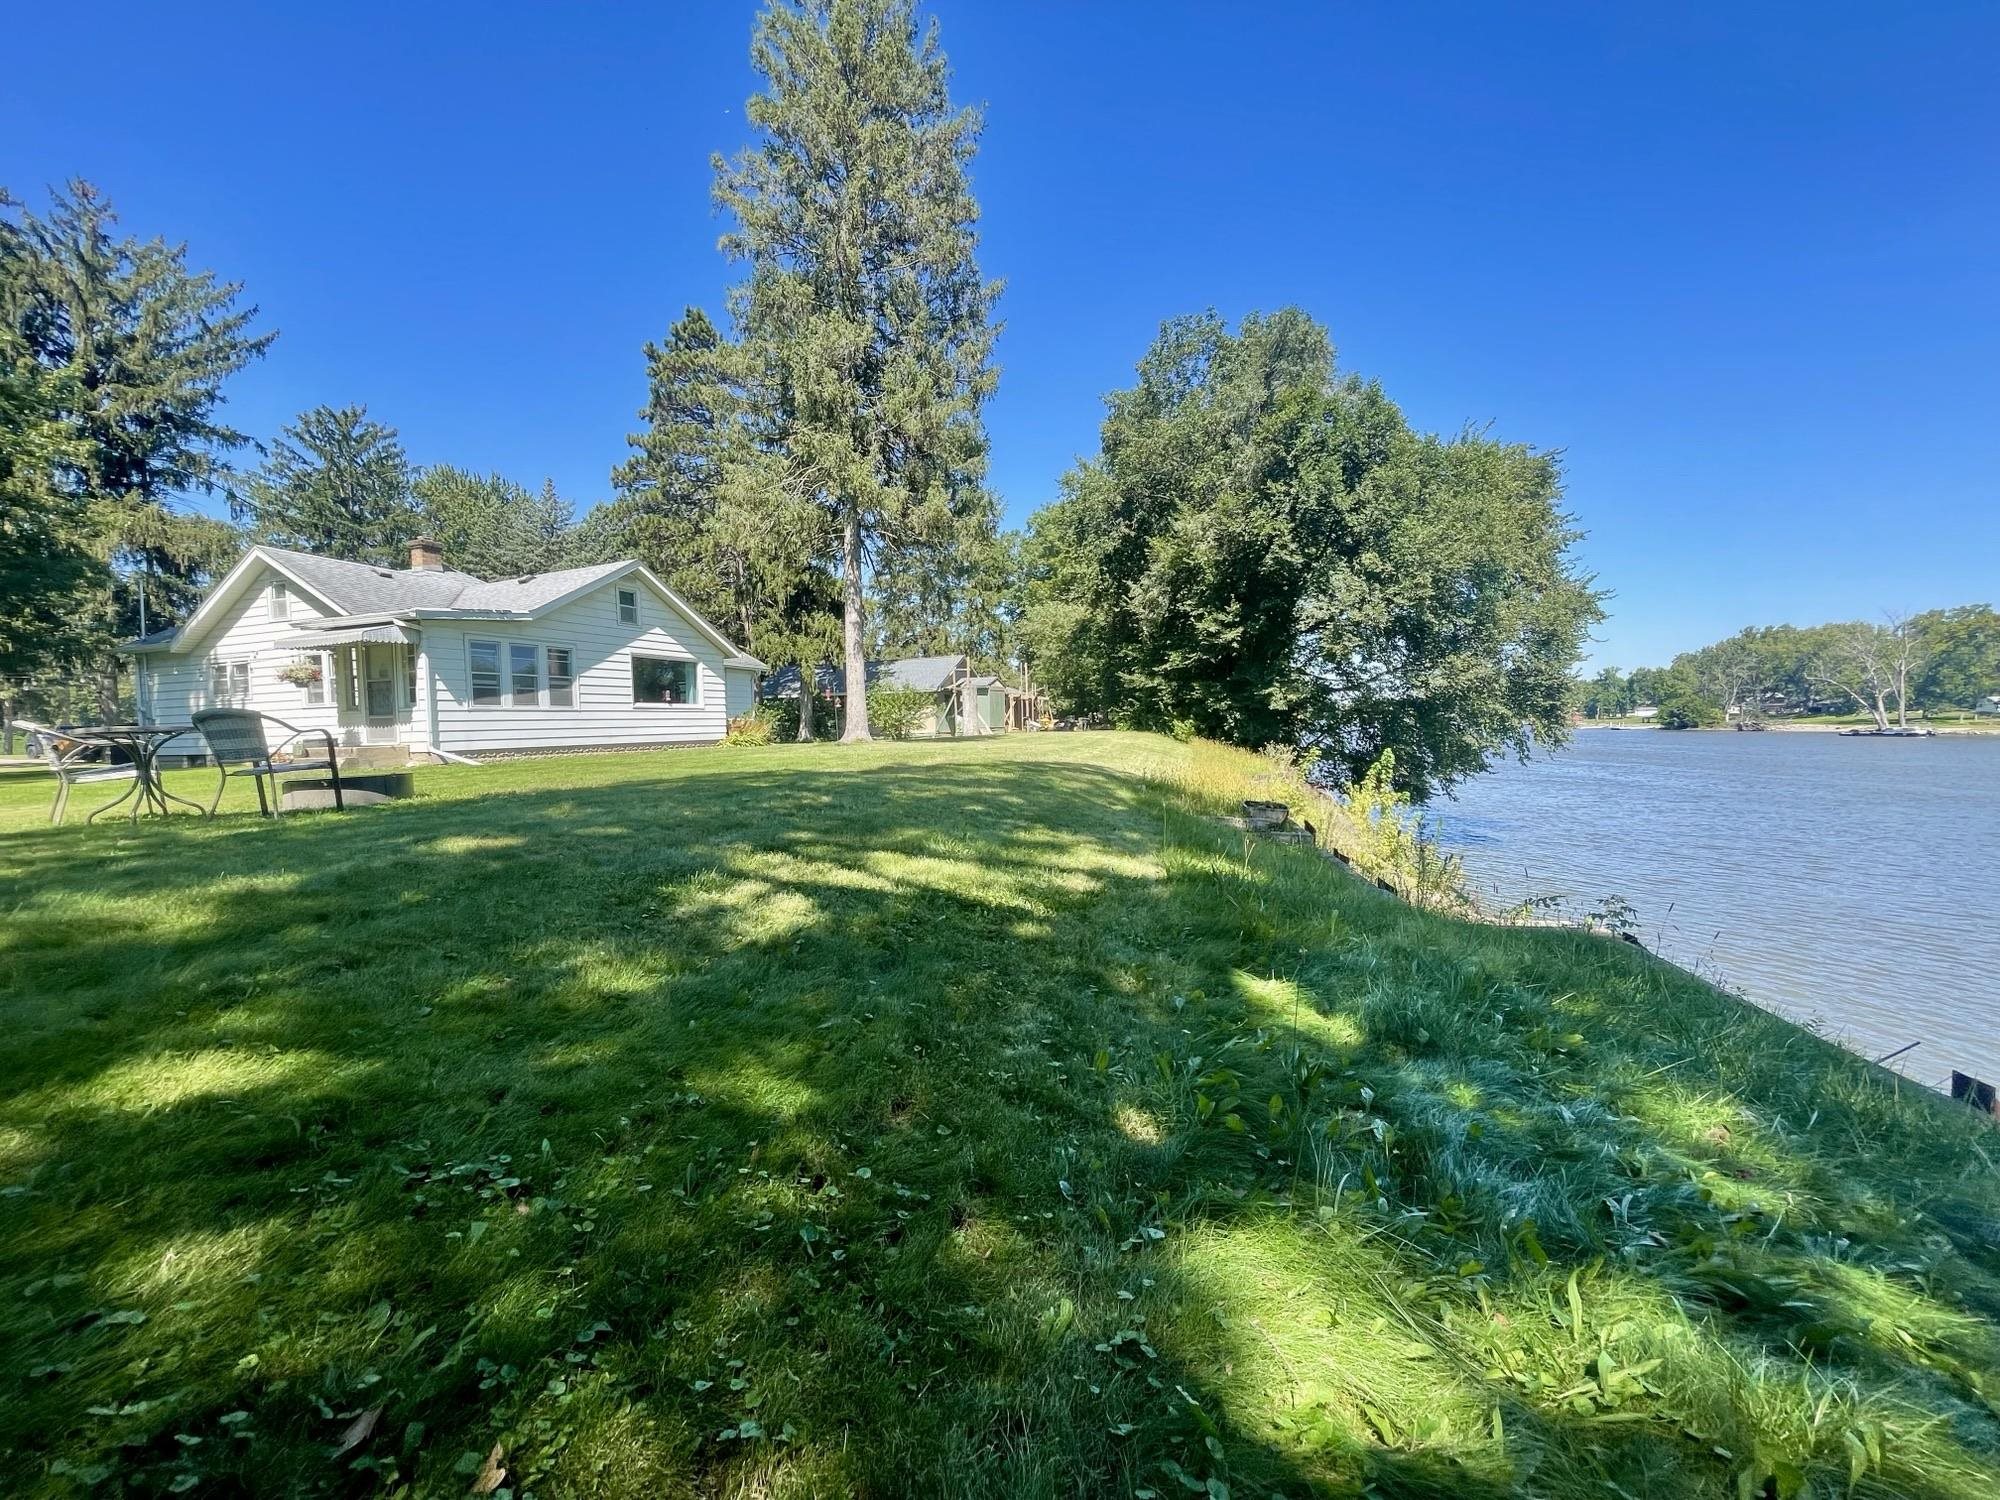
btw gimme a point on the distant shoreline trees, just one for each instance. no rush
(1939, 660)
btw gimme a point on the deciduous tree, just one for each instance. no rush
(1962, 656)
(1872, 664)
(1264, 549)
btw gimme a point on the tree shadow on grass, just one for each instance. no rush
(828, 1130)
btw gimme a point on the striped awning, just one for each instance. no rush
(351, 635)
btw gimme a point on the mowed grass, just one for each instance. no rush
(970, 1119)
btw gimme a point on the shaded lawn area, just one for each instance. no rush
(966, 1119)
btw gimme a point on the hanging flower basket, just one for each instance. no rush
(300, 673)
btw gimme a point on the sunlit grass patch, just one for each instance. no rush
(164, 1080)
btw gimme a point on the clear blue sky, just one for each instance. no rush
(1742, 263)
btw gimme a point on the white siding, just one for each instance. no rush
(604, 713)
(178, 683)
(742, 690)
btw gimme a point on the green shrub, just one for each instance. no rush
(894, 711)
(758, 727)
(1182, 730)
(785, 718)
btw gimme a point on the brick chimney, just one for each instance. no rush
(426, 556)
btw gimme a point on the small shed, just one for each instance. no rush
(988, 709)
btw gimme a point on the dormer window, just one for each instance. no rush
(628, 606)
(281, 601)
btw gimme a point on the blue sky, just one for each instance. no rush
(1738, 262)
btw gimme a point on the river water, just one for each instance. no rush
(1850, 883)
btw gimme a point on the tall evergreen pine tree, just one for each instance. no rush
(864, 313)
(136, 348)
(337, 484)
(709, 502)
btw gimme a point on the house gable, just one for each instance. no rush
(252, 575)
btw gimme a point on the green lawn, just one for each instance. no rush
(967, 1119)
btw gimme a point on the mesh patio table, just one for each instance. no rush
(141, 744)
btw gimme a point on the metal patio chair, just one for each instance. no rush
(79, 764)
(237, 737)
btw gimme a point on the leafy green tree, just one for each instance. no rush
(1871, 665)
(1962, 663)
(1646, 684)
(1264, 549)
(135, 348)
(337, 484)
(491, 527)
(863, 312)
(1683, 705)
(958, 597)
(1607, 695)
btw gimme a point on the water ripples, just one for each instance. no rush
(1849, 883)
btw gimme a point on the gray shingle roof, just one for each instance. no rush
(927, 674)
(362, 593)
(361, 588)
(533, 591)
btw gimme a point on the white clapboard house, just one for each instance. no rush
(427, 659)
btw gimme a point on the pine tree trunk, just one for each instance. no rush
(807, 683)
(6, 726)
(857, 664)
(107, 692)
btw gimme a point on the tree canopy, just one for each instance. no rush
(707, 501)
(491, 527)
(1264, 549)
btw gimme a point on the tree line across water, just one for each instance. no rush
(1262, 550)
(1940, 661)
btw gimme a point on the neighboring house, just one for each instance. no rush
(1988, 705)
(430, 659)
(961, 704)
(1645, 711)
